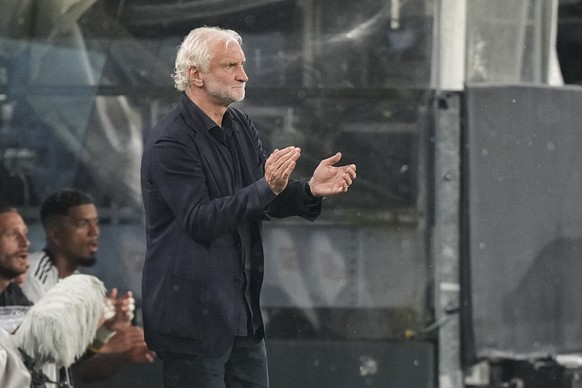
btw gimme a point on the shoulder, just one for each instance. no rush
(40, 277)
(239, 116)
(16, 296)
(35, 257)
(172, 120)
(170, 125)
(173, 130)
(40, 262)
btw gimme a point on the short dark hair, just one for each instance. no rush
(60, 202)
(5, 208)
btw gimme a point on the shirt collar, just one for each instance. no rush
(208, 122)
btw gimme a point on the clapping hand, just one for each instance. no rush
(121, 310)
(130, 341)
(279, 167)
(330, 180)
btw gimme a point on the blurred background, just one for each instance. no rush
(453, 262)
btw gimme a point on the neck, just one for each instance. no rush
(212, 110)
(64, 266)
(4, 283)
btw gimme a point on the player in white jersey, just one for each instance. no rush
(71, 224)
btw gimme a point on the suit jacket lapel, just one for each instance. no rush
(250, 175)
(207, 149)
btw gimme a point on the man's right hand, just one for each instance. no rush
(279, 167)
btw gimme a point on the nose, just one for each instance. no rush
(94, 231)
(242, 75)
(23, 240)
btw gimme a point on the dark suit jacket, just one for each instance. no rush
(193, 272)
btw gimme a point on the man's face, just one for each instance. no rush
(225, 79)
(76, 235)
(13, 245)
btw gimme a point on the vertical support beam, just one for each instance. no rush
(446, 237)
(448, 74)
(449, 44)
(554, 76)
(310, 38)
(395, 14)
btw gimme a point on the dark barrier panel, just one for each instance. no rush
(523, 190)
(351, 364)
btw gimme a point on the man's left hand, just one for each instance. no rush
(330, 180)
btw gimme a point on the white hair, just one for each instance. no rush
(196, 50)
(60, 326)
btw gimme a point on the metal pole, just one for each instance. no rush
(446, 238)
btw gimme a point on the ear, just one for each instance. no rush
(195, 76)
(52, 235)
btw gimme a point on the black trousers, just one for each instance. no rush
(244, 365)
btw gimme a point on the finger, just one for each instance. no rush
(350, 176)
(344, 183)
(278, 154)
(130, 301)
(288, 170)
(332, 159)
(285, 162)
(113, 293)
(285, 172)
(150, 357)
(278, 158)
(291, 153)
(349, 171)
(108, 309)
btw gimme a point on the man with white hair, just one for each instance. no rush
(207, 185)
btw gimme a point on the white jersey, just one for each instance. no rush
(41, 276)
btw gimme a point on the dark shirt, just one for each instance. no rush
(13, 296)
(228, 148)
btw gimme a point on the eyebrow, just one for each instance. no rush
(234, 61)
(85, 218)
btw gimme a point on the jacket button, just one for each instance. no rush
(237, 282)
(205, 312)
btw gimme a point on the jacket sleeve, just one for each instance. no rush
(294, 201)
